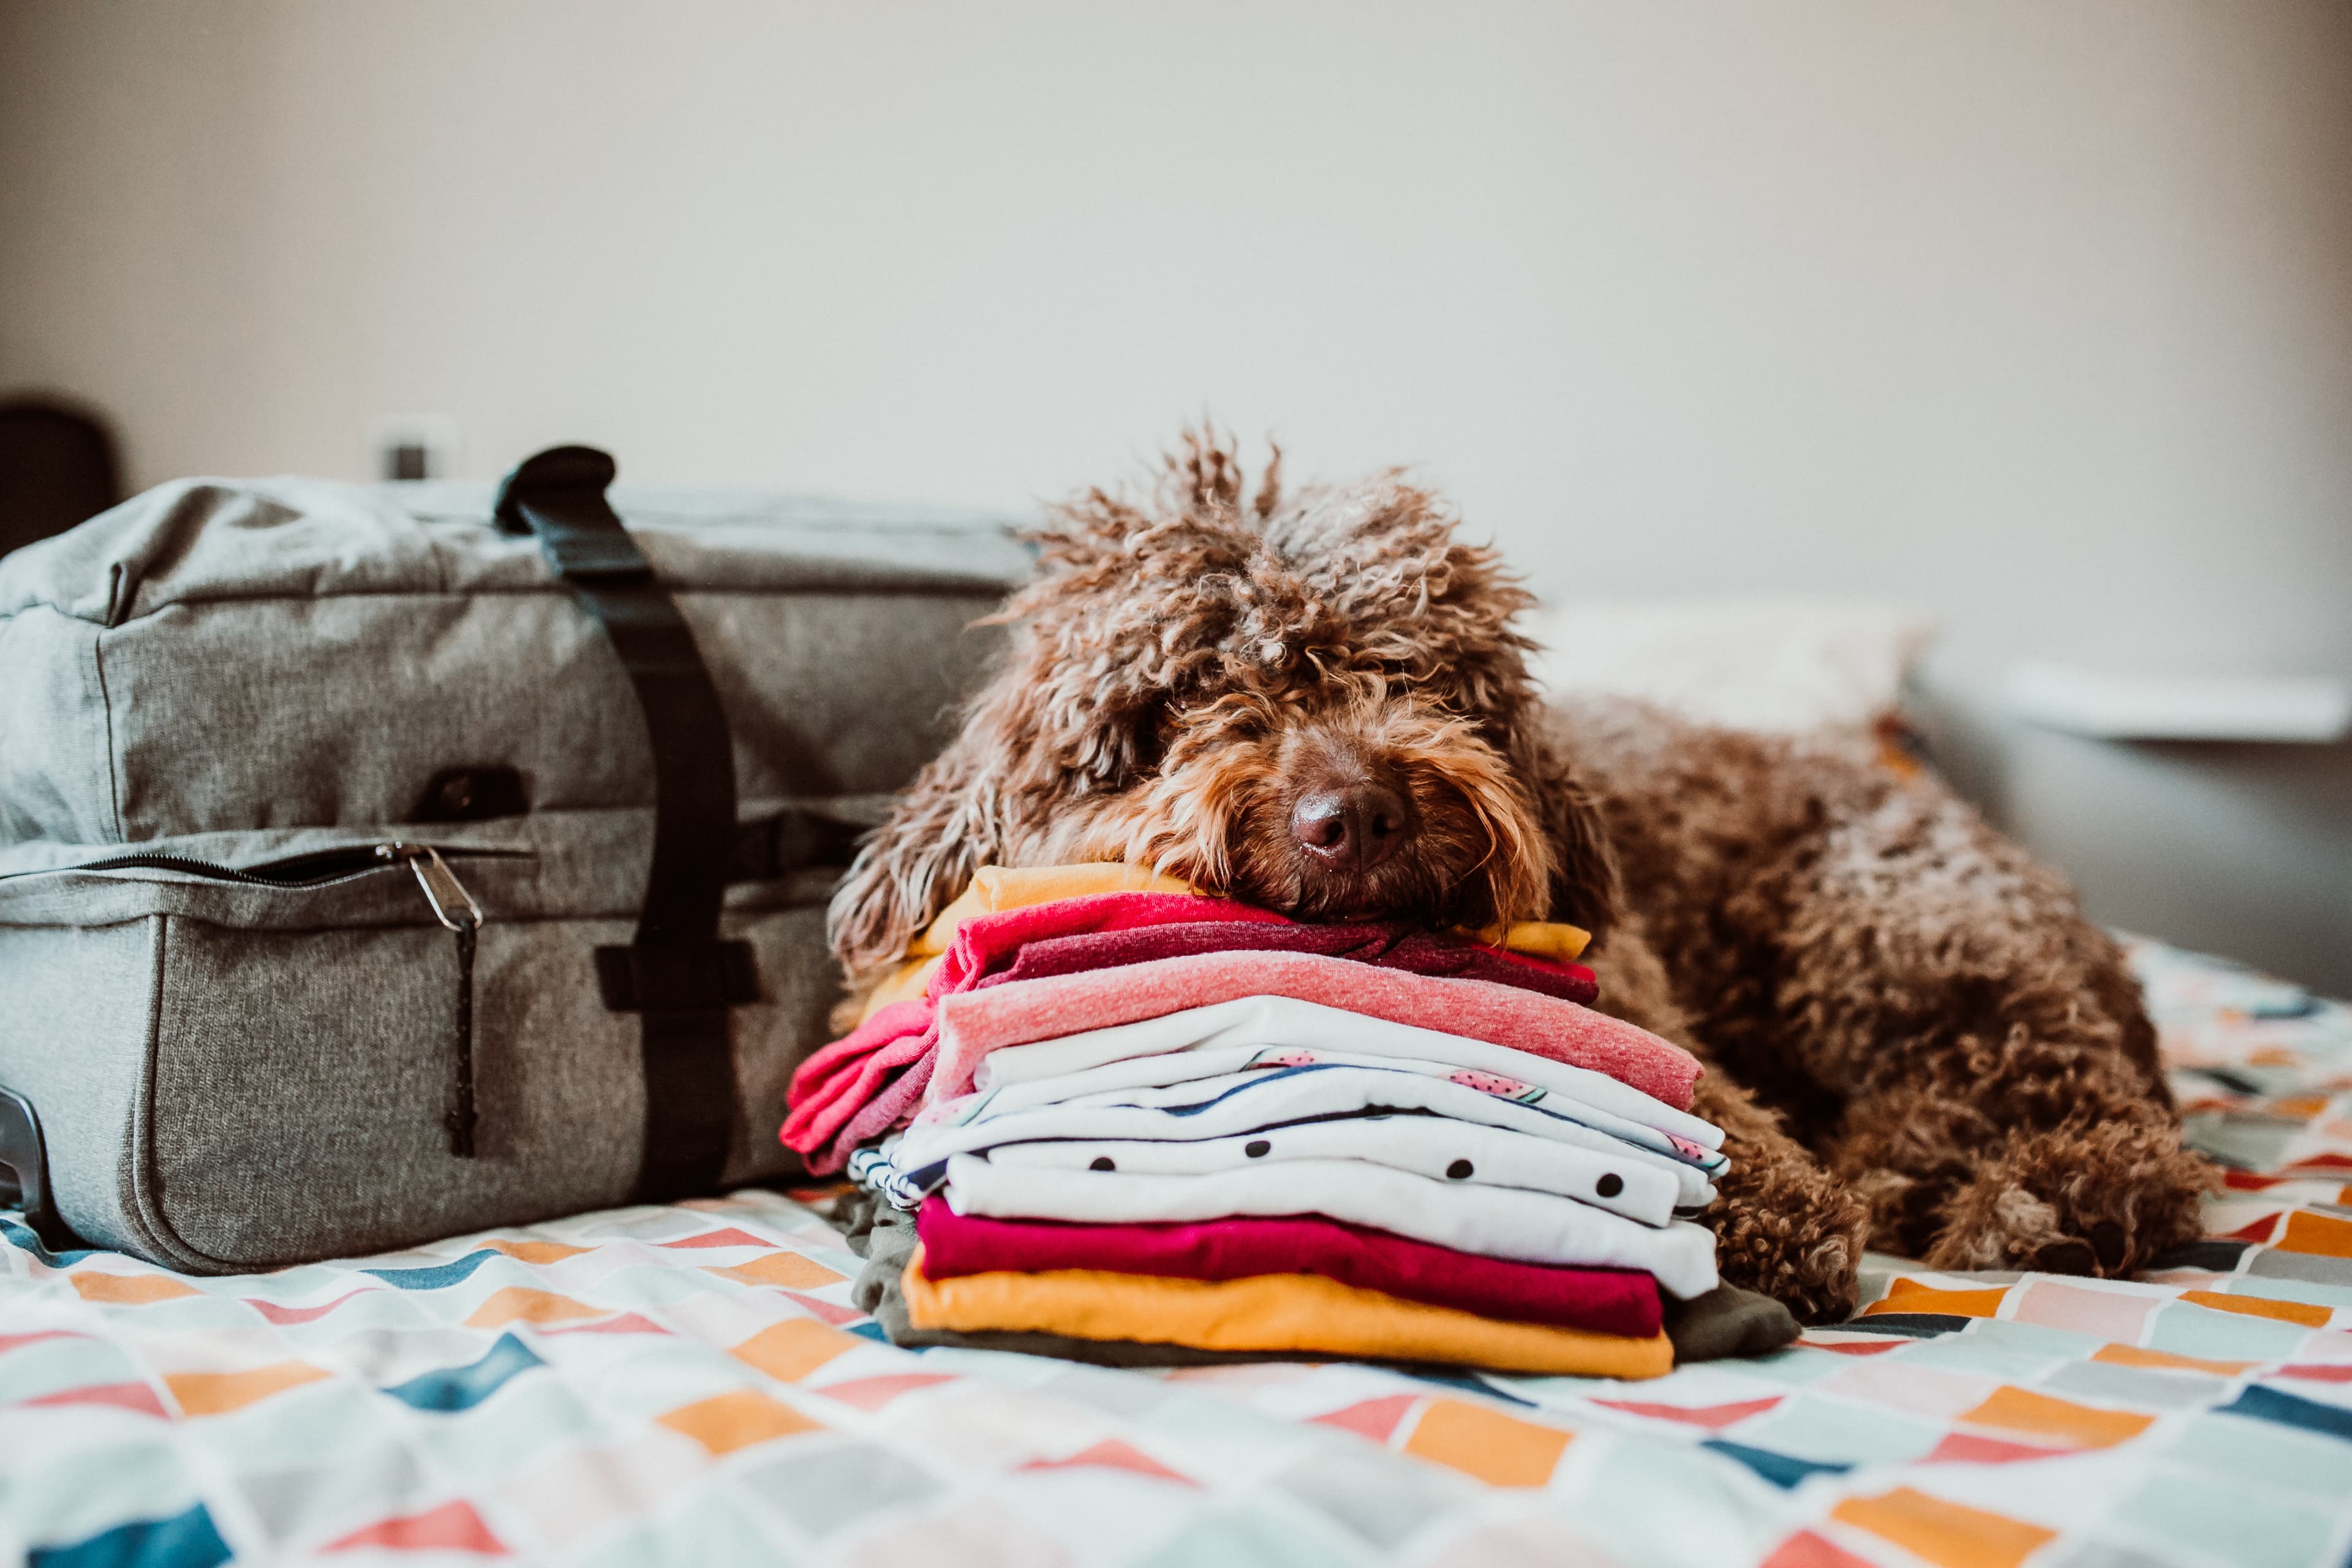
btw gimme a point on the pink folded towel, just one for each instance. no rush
(980, 1021)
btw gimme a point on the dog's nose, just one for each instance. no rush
(1356, 826)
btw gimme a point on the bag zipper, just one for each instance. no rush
(442, 891)
(444, 895)
(314, 870)
(454, 908)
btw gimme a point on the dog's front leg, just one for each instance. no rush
(2044, 1157)
(1783, 1225)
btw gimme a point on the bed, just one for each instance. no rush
(691, 1384)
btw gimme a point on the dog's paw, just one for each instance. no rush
(2104, 1200)
(1796, 1236)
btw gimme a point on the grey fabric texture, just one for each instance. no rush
(236, 1076)
(76, 1003)
(1725, 1322)
(288, 653)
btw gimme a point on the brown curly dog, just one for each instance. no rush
(1315, 702)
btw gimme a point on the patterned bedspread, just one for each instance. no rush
(689, 1384)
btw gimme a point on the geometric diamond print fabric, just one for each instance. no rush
(692, 1384)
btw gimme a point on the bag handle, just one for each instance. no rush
(677, 976)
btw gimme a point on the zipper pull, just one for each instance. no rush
(454, 907)
(442, 888)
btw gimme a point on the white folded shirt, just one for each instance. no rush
(1262, 1097)
(1286, 1021)
(1493, 1221)
(1188, 1067)
(1171, 1079)
(1437, 1147)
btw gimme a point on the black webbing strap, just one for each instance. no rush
(677, 975)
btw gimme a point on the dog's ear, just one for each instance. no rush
(922, 858)
(1071, 709)
(1586, 889)
(1059, 720)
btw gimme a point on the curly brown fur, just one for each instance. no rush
(1184, 668)
(1924, 1002)
(1912, 1034)
(1783, 1225)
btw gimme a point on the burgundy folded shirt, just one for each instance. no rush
(1386, 944)
(1599, 1301)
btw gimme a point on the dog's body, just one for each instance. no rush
(1317, 704)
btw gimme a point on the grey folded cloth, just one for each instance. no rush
(1726, 1321)
(885, 1237)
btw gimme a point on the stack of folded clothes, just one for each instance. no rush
(1143, 1125)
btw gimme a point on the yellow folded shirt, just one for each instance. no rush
(1540, 939)
(1303, 1312)
(995, 889)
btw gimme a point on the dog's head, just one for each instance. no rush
(1315, 703)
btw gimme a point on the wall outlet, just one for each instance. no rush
(414, 446)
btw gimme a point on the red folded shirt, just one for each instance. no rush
(1599, 1300)
(862, 1085)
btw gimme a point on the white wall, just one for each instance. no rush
(2039, 312)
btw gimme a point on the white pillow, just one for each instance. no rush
(1780, 665)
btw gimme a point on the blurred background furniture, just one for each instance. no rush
(57, 468)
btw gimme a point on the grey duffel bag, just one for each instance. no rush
(374, 867)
